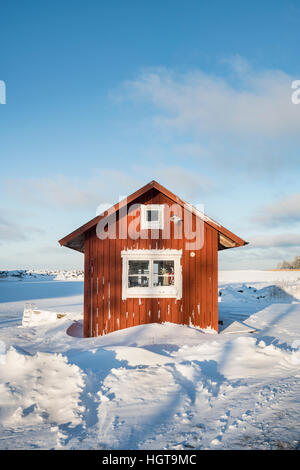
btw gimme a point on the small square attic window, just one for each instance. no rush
(152, 216)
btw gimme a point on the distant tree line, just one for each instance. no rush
(295, 264)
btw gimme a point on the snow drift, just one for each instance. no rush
(155, 386)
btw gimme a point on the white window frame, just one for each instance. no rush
(174, 291)
(152, 224)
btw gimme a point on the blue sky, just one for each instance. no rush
(104, 96)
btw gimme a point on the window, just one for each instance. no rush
(138, 273)
(151, 273)
(152, 216)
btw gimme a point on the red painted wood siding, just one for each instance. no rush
(104, 309)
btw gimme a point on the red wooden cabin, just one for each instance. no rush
(151, 258)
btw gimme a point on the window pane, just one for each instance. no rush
(163, 267)
(138, 267)
(138, 281)
(163, 280)
(152, 216)
(163, 273)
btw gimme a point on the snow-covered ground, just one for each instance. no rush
(41, 275)
(152, 386)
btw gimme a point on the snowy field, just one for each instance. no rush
(152, 386)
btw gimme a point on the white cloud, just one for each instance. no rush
(187, 184)
(64, 192)
(192, 150)
(284, 210)
(248, 102)
(10, 231)
(105, 187)
(283, 240)
(256, 257)
(47, 191)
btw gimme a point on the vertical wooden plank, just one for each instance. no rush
(158, 307)
(203, 281)
(135, 309)
(118, 277)
(181, 312)
(105, 283)
(130, 307)
(172, 310)
(86, 285)
(96, 283)
(122, 231)
(95, 296)
(122, 302)
(92, 285)
(210, 278)
(161, 314)
(151, 311)
(198, 287)
(142, 319)
(100, 285)
(215, 324)
(192, 276)
(207, 251)
(91, 316)
(112, 284)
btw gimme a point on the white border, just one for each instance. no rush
(152, 224)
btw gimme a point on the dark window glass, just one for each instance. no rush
(152, 216)
(138, 273)
(138, 267)
(138, 281)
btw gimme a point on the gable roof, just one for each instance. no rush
(227, 239)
